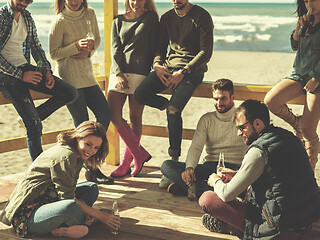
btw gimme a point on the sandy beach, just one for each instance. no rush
(264, 68)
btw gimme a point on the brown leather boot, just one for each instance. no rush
(295, 121)
(312, 149)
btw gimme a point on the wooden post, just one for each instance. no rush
(113, 137)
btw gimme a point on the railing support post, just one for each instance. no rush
(113, 137)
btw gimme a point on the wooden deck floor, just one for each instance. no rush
(147, 212)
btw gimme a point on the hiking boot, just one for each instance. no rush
(175, 189)
(76, 231)
(164, 182)
(216, 225)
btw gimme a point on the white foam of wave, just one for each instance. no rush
(229, 38)
(249, 23)
(247, 27)
(263, 37)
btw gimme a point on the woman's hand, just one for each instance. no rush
(311, 85)
(85, 44)
(300, 23)
(84, 53)
(122, 81)
(110, 220)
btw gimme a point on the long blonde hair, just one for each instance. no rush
(60, 5)
(83, 130)
(148, 6)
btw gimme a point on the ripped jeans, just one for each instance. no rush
(18, 92)
(147, 94)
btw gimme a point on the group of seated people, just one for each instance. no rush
(266, 187)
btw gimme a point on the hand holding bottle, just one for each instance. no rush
(306, 23)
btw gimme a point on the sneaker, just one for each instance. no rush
(76, 231)
(175, 189)
(164, 182)
(216, 225)
(20, 121)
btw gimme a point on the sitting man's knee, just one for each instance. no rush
(165, 165)
(34, 127)
(72, 95)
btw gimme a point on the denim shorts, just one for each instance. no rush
(303, 80)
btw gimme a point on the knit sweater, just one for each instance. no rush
(190, 40)
(133, 43)
(67, 28)
(219, 134)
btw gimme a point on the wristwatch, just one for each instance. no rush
(184, 71)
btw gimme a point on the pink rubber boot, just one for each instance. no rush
(140, 155)
(124, 167)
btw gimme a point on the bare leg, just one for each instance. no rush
(310, 120)
(116, 101)
(277, 98)
(135, 110)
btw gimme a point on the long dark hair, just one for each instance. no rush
(60, 5)
(301, 8)
(83, 130)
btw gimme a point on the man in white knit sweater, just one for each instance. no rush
(218, 133)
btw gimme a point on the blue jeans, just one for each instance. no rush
(94, 99)
(18, 92)
(146, 94)
(63, 213)
(173, 169)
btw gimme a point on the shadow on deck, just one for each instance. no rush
(147, 212)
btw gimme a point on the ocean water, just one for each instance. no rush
(238, 26)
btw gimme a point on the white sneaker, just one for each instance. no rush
(20, 121)
(164, 182)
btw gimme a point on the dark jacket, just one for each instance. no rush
(286, 195)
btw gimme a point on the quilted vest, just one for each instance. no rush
(286, 195)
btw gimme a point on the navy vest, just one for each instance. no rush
(286, 195)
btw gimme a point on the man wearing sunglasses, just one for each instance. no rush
(283, 197)
(18, 38)
(218, 133)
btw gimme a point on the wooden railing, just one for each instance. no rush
(242, 92)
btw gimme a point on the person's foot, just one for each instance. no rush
(164, 182)
(175, 189)
(95, 175)
(76, 231)
(216, 225)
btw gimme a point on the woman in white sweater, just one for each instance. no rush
(74, 38)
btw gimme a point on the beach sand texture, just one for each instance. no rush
(263, 68)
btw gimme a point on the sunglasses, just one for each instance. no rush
(242, 126)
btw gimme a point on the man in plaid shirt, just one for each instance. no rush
(18, 38)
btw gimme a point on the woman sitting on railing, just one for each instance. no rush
(304, 79)
(48, 198)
